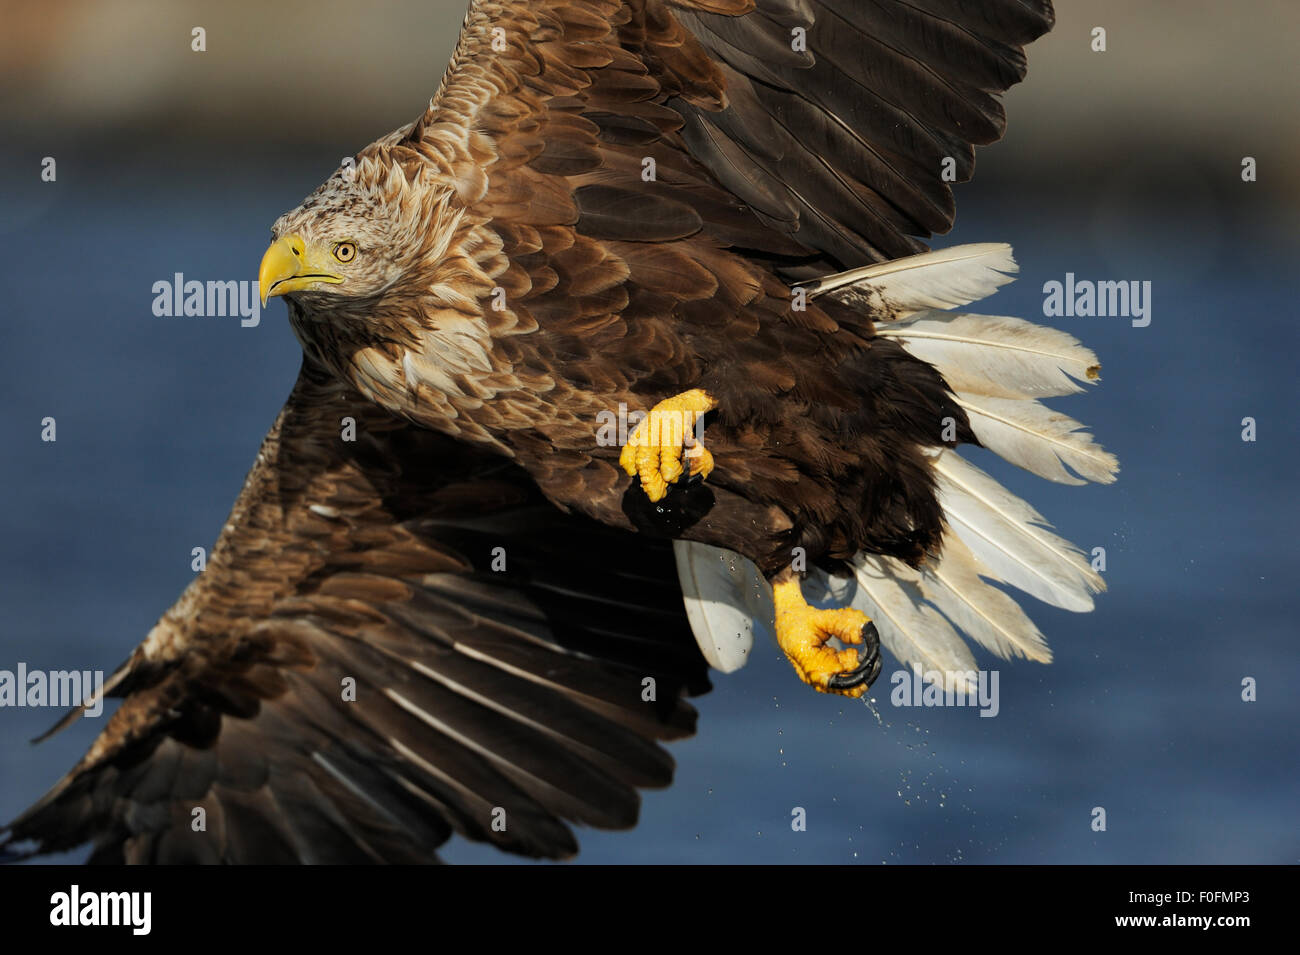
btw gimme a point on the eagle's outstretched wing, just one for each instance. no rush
(838, 124)
(395, 639)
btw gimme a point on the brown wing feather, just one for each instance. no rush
(477, 688)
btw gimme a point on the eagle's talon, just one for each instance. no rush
(802, 632)
(701, 461)
(660, 449)
(868, 667)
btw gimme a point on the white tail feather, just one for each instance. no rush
(996, 355)
(1038, 439)
(984, 613)
(1009, 537)
(945, 279)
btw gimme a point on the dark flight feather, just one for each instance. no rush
(476, 690)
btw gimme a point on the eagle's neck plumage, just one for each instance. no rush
(427, 347)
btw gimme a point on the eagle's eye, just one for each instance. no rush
(345, 251)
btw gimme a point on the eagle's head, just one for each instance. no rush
(385, 271)
(361, 236)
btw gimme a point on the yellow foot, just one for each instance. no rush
(802, 632)
(664, 439)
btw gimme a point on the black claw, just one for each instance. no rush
(868, 667)
(687, 479)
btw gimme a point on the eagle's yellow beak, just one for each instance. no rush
(290, 265)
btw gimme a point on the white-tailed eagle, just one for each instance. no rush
(469, 616)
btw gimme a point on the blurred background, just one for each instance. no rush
(1117, 165)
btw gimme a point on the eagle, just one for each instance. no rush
(630, 340)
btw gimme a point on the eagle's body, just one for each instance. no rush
(608, 205)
